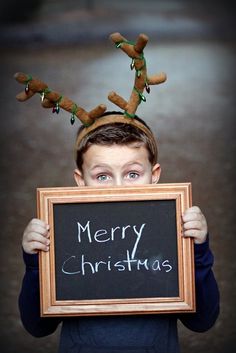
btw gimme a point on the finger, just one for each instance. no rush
(34, 247)
(39, 222)
(193, 225)
(37, 228)
(193, 233)
(192, 216)
(32, 236)
(194, 209)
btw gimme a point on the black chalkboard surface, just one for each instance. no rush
(124, 250)
(116, 250)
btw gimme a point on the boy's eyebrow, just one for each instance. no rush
(104, 165)
(133, 163)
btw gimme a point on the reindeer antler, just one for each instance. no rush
(52, 99)
(135, 51)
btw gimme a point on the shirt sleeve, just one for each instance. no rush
(29, 301)
(207, 293)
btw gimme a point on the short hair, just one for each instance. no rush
(115, 133)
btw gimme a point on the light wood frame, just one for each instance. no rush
(185, 302)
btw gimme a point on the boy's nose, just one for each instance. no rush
(118, 181)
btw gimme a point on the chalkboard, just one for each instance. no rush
(127, 248)
(116, 251)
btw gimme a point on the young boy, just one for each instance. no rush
(119, 154)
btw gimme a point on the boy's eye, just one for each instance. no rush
(133, 175)
(102, 177)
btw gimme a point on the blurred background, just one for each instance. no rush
(66, 44)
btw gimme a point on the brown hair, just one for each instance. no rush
(115, 133)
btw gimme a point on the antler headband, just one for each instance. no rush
(94, 119)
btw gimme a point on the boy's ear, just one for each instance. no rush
(78, 176)
(156, 173)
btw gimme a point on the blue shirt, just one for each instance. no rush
(115, 334)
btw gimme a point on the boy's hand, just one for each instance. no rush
(195, 225)
(35, 237)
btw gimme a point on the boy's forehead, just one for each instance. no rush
(112, 154)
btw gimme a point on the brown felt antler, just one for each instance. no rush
(135, 51)
(52, 99)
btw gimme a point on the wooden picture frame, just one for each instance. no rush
(101, 260)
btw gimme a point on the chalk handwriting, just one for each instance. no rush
(81, 265)
(75, 264)
(104, 235)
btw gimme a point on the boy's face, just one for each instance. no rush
(117, 165)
